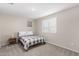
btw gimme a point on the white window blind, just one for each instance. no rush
(49, 25)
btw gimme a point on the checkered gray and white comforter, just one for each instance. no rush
(31, 40)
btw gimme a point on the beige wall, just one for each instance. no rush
(67, 35)
(10, 25)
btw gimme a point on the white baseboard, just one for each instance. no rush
(63, 47)
(4, 44)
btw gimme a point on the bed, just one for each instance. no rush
(28, 39)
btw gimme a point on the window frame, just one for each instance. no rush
(49, 26)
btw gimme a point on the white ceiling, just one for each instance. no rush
(33, 10)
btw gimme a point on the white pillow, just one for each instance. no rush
(22, 34)
(28, 33)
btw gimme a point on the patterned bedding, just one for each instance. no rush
(28, 41)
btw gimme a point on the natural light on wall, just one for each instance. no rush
(49, 25)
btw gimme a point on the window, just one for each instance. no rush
(49, 25)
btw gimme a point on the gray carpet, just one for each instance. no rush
(41, 50)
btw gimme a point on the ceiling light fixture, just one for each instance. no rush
(11, 3)
(33, 9)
